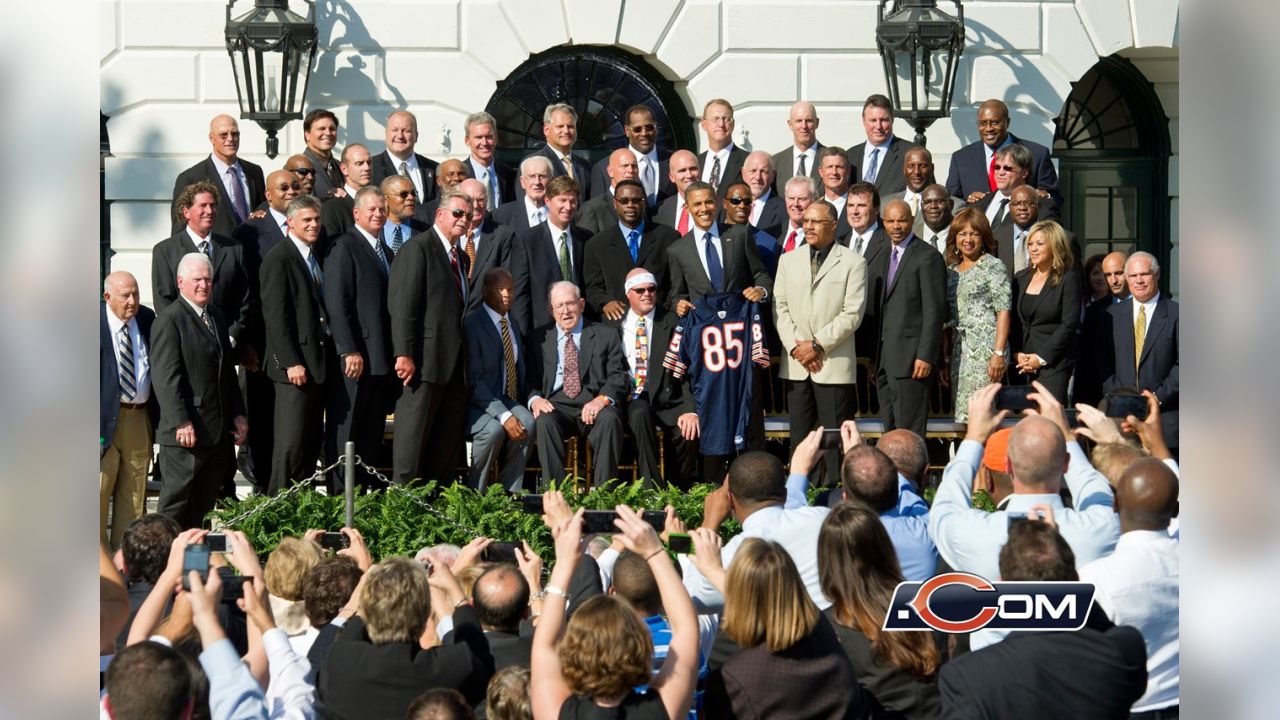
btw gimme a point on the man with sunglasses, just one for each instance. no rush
(301, 168)
(597, 213)
(1012, 166)
(651, 163)
(239, 182)
(626, 244)
(971, 174)
(402, 221)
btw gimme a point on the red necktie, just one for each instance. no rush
(682, 227)
(457, 270)
(991, 172)
(790, 244)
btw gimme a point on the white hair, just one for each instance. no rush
(1155, 264)
(538, 159)
(577, 294)
(810, 184)
(559, 107)
(190, 260)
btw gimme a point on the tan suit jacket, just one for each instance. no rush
(827, 308)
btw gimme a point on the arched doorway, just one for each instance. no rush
(600, 83)
(1112, 144)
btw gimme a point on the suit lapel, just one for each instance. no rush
(1158, 318)
(729, 262)
(1123, 335)
(550, 358)
(834, 259)
(306, 271)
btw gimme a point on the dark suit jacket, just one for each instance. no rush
(486, 377)
(1048, 211)
(600, 362)
(1095, 349)
(581, 171)
(506, 180)
(665, 188)
(426, 312)
(784, 167)
(512, 215)
(232, 294)
(378, 682)
(537, 268)
(109, 374)
(912, 310)
(293, 314)
(773, 216)
(193, 375)
(257, 236)
(890, 177)
(665, 214)
(1098, 671)
(968, 172)
(497, 244)
(597, 213)
(336, 215)
(508, 649)
(888, 688)
(1045, 324)
(608, 260)
(867, 337)
(355, 297)
(384, 166)
(742, 265)
(668, 397)
(730, 173)
(1157, 370)
(225, 221)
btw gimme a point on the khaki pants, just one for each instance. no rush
(122, 474)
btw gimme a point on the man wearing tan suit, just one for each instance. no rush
(819, 298)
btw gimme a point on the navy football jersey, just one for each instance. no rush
(716, 343)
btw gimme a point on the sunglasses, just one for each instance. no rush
(303, 171)
(647, 290)
(402, 195)
(738, 200)
(459, 213)
(293, 186)
(1007, 168)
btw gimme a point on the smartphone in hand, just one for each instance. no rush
(195, 557)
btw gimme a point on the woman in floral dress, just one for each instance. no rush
(978, 292)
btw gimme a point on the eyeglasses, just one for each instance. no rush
(990, 123)
(294, 186)
(627, 200)
(460, 213)
(815, 221)
(402, 195)
(303, 171)
(1007, 168)
(737, 200)
(935, 201)
(225, 135)
(644, 128)
(646, 290)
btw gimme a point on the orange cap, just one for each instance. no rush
(995, 454)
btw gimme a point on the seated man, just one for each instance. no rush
(579, 376)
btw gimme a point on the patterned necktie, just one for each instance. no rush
(633, 244)
(382, 257)
(1020, 252)
(800, 168)
(682, 227)
(999, 218)
(642, 356)
(715, 273)
(991, 173)
(457, 271)
(208, 322)
(397, 238)
(893, 265)
(238, 203)
(404, 168)
(934, 242)
(316, 274)
(572, 379)
(471, 254)
(715, 173)
(128, 386)
(790, 244)
(509, 355)
(873, 165)
(566, 268)
(568, 166)
(814, 264)
(650, 184)
(857, 246)
(1139, 337)
(206, 249)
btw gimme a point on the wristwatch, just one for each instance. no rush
(818, 348)
(998, 353)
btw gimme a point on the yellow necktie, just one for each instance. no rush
(1139, 337)
(568, 166)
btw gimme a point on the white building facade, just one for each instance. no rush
(1113, 64)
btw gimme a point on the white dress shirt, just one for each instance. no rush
(908, 195)
(449, 247)
(940, 244)
(240, 178)
(537, 214)
(141, 363)
(497, 319)
(1138, 585)
(757, 206)
(373, 241)
(415, 172)
(866, 238)
(281, 220)
(701, 245)
(556, 243)
(994, 207)
(838, 202)
(629, 341)
(481, 173)
(811, 156)
(866, 156)
(799, 230)
(723, 154)
(1150, 305)
(647, 159)
(561, 336)
(197, 240)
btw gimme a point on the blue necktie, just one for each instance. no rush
(633, 244)
(715, 272)
(314, 266)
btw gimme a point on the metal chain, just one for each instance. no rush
(292, 490)
(401, 489)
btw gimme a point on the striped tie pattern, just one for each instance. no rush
(509, 354)
(128, 385)
(470, 249)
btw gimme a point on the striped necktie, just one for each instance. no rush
(1139, 338)
(128, 372)
(509, 355)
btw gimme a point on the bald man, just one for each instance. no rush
(239, 182)
(448, 176)
(1138, 583)
(337, 212)
(682, 169)
(970, 176)
(801, 158)
(597, 213)
(127, 410)
(399, 158)
(302, 169)
(1094, 346)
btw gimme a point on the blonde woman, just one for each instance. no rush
(1047, 311)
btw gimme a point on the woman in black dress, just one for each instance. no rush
(1046, 300)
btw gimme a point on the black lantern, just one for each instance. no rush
(921, 48)
(271, 52)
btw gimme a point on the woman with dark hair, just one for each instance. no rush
(859, 572)
(590, 667)
(1096, 278)
(1047, 298)
(790, 664)
(976, 342)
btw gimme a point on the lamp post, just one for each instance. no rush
(271, 51)
(921, 48)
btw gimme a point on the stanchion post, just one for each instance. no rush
(350, 482)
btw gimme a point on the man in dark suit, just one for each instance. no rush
(400, 159)
(656, 399)
(1025, 210)
(299, 355)
(127, 409)
(802, 157)
(865, 236)
(1095, 344)
(1012, 165)
(553, 251)
(597, 213)
(651, 163)
(499, 422)
(427, 294)
(834, 171)
(530, 207)
(767, 211)
(335, 213)
(917, 170)
(481, 139)
(934, 223)
(194, 379)
(625, 244)
(707, 261)
(879, 160)
(320, 131)
(682, 170)
(560, 128)
(239, 182)
(970, 176)
(911, 292)
(500, 598)
(736, 210)
(488, 245)
(302, 169)
(1144, 340)
(198, 205)
(1095, 672)
(581, 381)
(722, 161)
(356, 269)
(402, 221)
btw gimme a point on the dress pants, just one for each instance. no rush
(356, 411)
(904, 403)
(122, 474)
(812, 404)
(643, 421)
(489, 443)
(605, 436)
(430, 430)
(192, 480)
(260, 408)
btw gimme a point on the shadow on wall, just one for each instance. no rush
(343, 36)
(135, 175)
(1032, 89)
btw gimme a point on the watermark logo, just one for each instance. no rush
(960, 602)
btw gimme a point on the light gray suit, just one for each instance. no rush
(487, 378)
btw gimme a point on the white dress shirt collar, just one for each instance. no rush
(196, 239)
(303, 248)
(1150, 305)
(280, 219)
(373, 242)
(530, 210)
